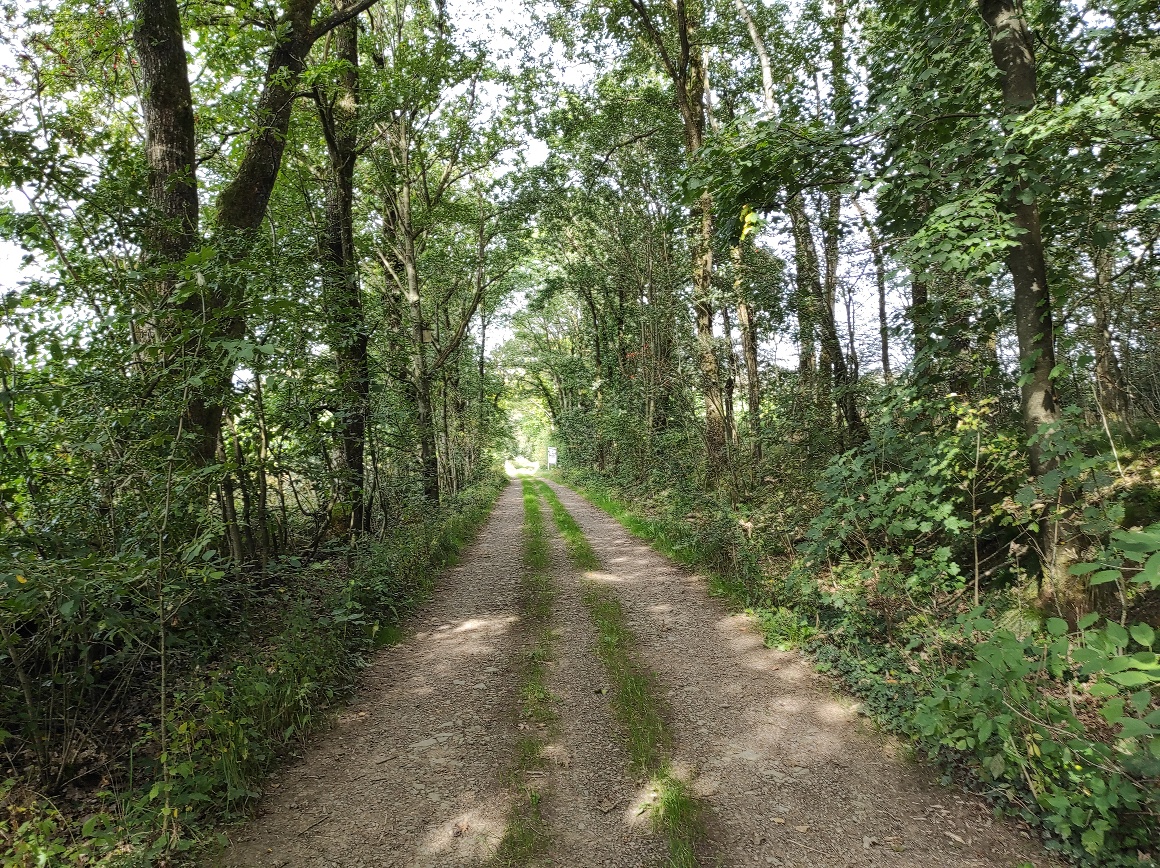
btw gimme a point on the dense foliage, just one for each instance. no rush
(851, 302)
(246, 412)
(932, 316)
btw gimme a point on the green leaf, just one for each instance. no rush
(1134, 728)
(1056, 626)
(1117, 634)
(1113, 709)
(1131, 678)
(1143, 634)
(1087, 620)
(1105, 576)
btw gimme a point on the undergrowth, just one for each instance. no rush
(232, 714)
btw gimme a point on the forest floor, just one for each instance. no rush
(420, 770)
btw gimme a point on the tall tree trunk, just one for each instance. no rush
(1013, 54)
(1110, 386)
(879, 258)
(341, 291)
(167, 104)
(241, 208)
(419, 373)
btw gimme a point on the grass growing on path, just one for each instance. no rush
(635, 701)
(579, 549)
(526, 836)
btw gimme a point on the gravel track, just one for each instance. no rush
(416, 771)
(413, 771)
(790, 775)
(592, 809)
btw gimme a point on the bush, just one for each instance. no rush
(1070, 717)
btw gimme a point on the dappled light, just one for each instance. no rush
(579, 433)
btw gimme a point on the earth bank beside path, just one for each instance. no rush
(788, 772)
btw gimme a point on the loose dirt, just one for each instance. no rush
(413, 772)
(789, 773)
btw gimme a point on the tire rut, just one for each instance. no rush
(413, 771)
(789, 773)
(592, 809)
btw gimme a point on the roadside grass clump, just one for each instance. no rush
(526, 836)
(635, 701)
(638, 708)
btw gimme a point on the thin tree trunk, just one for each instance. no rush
(768, 99)
(1111, 389)
(420, 376)
(880, 280)
(812, 298)
(683, 62)
(1013, 54)
(731, 376)
(749, 350)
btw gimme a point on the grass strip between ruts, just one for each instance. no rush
(635, 701)
(526, 836)
(579, 549)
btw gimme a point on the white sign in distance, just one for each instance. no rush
(553, 457)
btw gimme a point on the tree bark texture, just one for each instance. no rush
(167, 105)
(341, 290)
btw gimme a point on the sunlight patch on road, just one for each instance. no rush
(465, 838)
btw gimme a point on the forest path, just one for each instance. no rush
(592, 805)
(417, 771)
(413, 772)
(789, 775)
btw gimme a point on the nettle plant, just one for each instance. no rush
(1069, 716)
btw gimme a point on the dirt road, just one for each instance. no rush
(417, 771)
